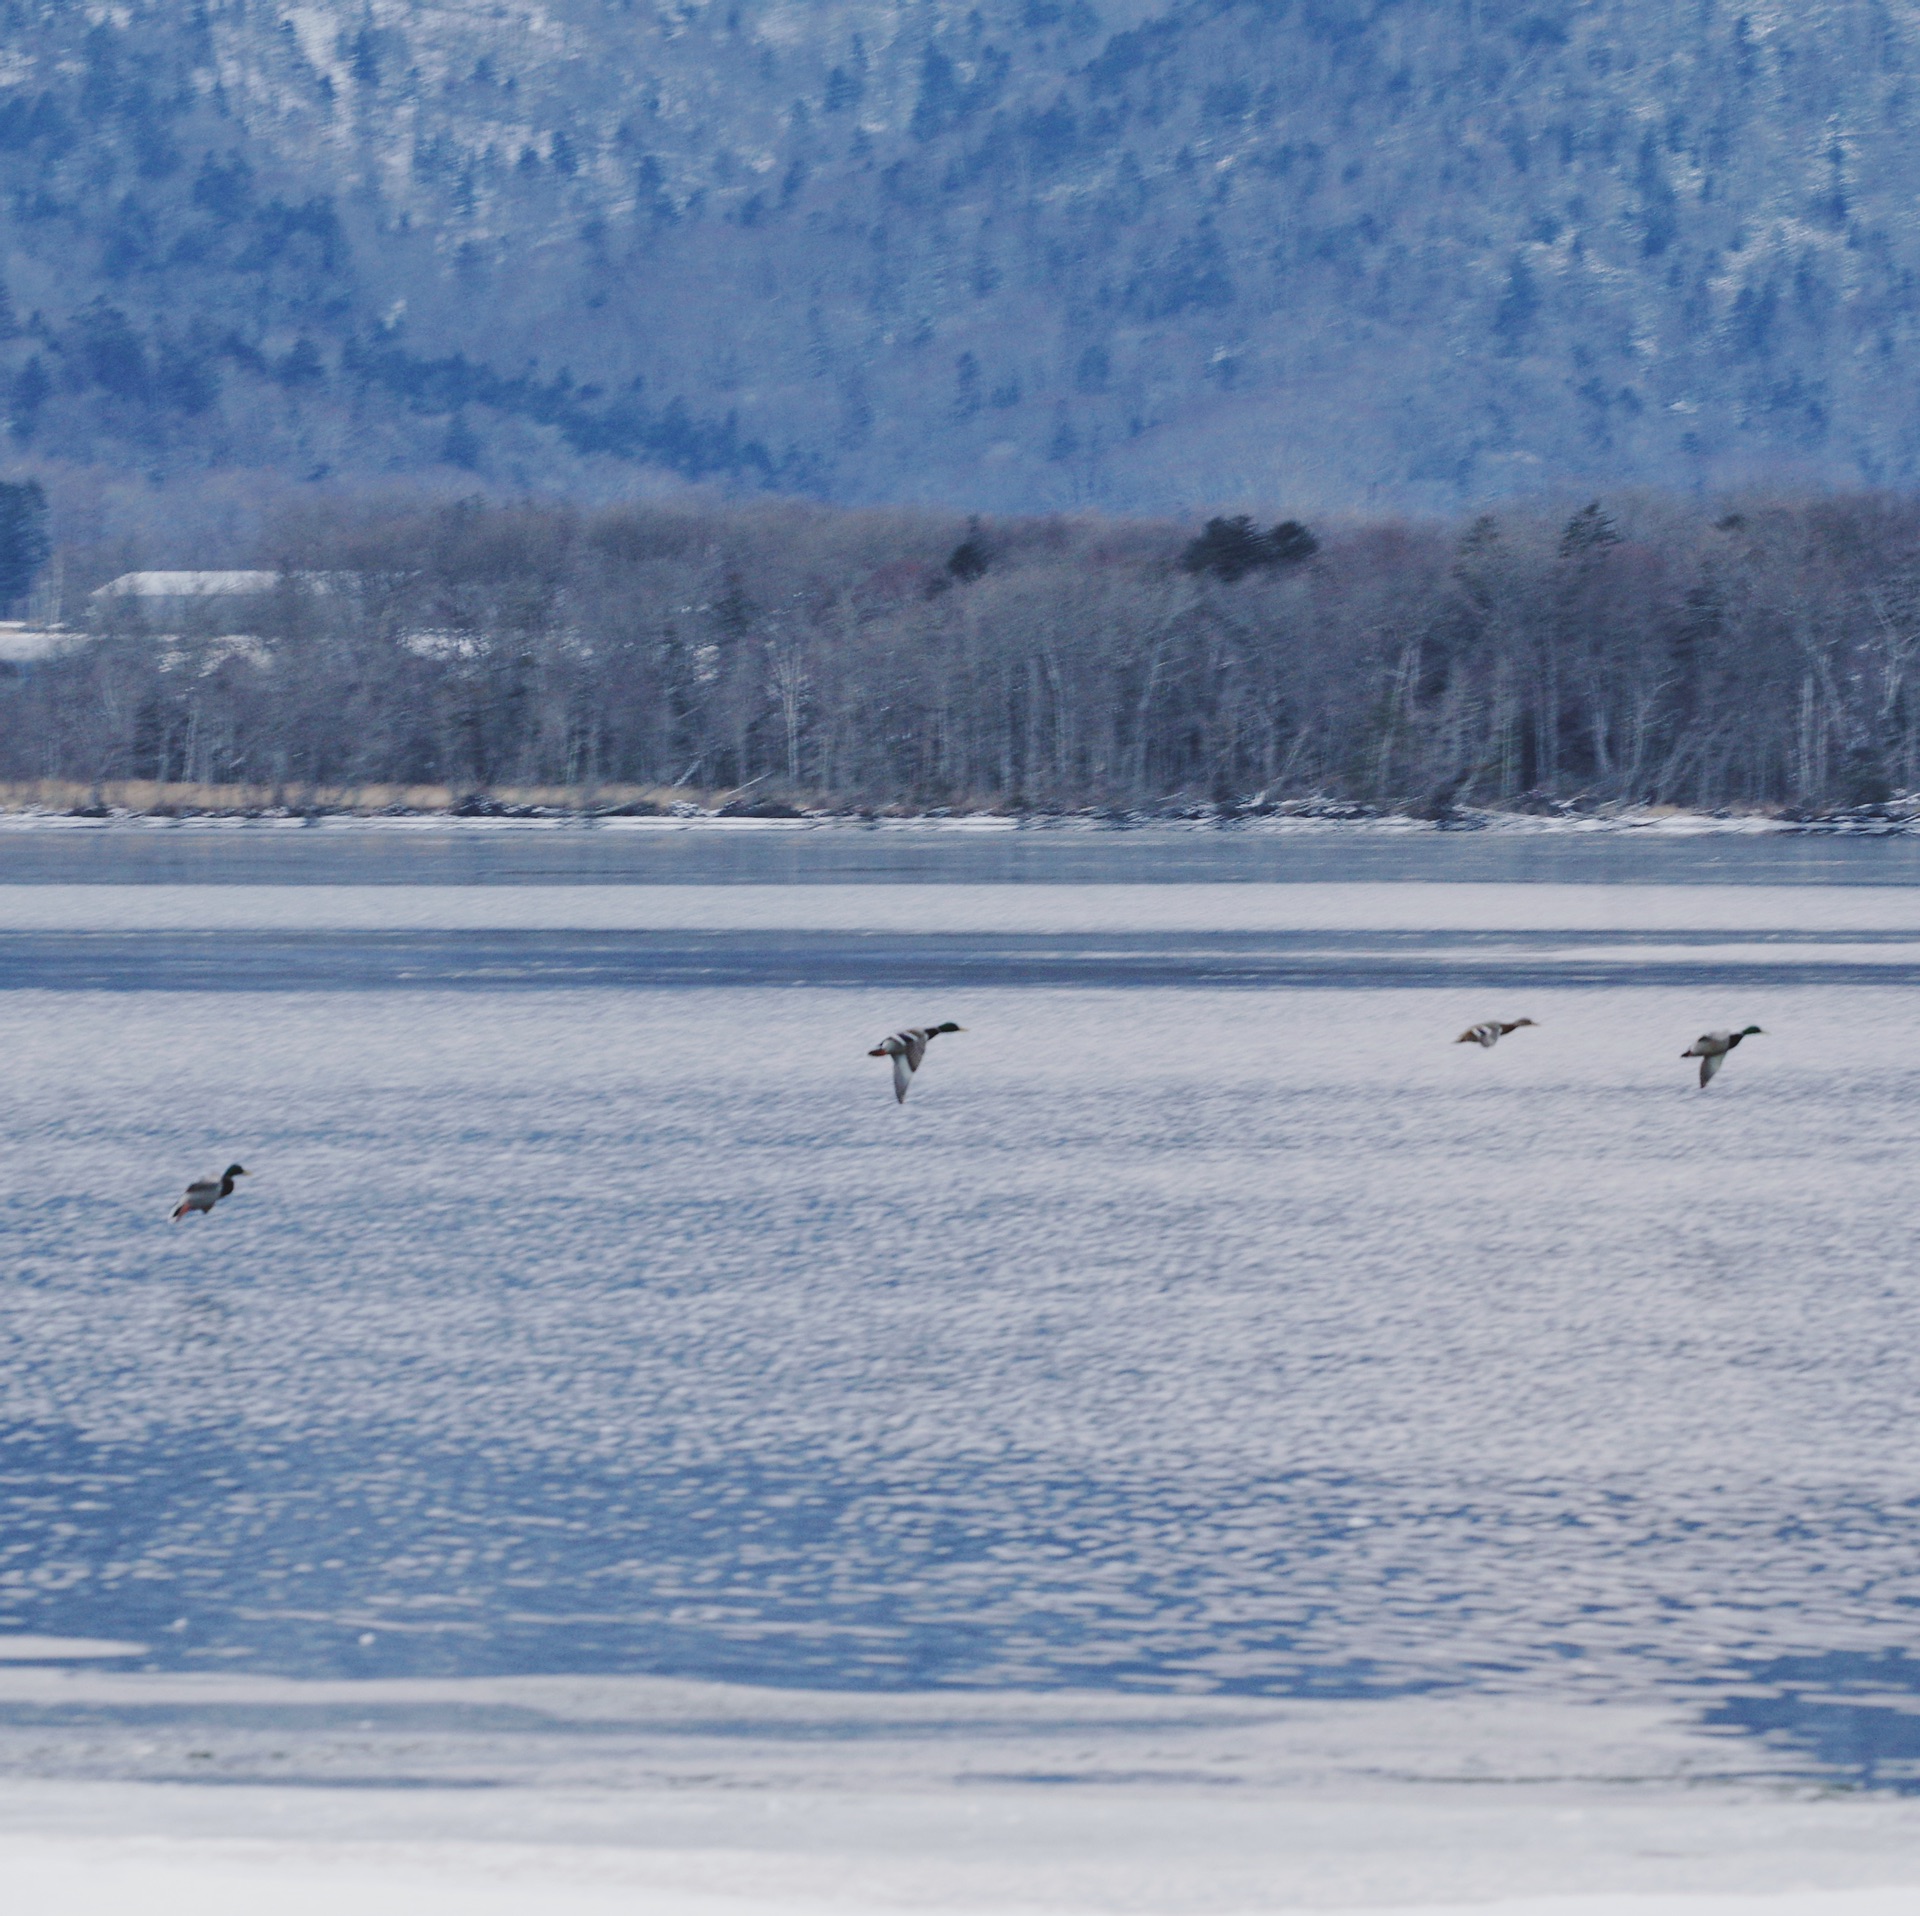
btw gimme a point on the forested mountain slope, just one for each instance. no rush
(1023, 254)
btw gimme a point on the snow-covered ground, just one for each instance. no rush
(570, 1794)
(1011, 1855)
(1632, 821)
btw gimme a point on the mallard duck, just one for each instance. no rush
(204, 1193)
(906, 1049)
(1488, 1035)
(1711, 1049)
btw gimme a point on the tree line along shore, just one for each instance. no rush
(1752, 655)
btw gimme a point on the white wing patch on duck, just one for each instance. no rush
(906, 1049)
(1489, 1034)
(1711, 1048)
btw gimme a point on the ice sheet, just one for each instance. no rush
(613, 1736)
(16, 1646)
(906, 908)
(1139, 1851)
(241, 1878)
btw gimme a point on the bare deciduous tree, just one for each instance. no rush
(793, 654)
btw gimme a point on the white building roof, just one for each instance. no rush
(22, 644)
(185, 585)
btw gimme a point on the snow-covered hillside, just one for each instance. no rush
(1023, 254)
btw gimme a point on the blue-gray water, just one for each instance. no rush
(330, 855)
(1206, 1320)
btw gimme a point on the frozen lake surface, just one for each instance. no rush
(1207, 1325)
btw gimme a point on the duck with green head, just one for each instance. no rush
(1487, 1035)
(906, 1049)
(1711, 1048)
(204, 1193)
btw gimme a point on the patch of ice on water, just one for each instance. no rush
(18, 1647)
(959, 908)
(1132, 1848)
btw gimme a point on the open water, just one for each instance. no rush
(1206, 1321)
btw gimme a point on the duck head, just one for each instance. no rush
(1753, 1031)
(949, 1027)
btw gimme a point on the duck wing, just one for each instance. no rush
(199, 1196)
(904, 1062)
(1710, 1062)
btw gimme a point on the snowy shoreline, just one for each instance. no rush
(573, 1794)
(1902, 820)
(66, 1852)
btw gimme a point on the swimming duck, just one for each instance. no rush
(1711, 1049)
(1488, 1035)
(906, 1049)
(204, 1193)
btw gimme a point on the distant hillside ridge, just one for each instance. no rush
(1024, 255)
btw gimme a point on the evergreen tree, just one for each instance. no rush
(970, 559)
(1229, 549)
(1587, 532)
(24, 546)
(32, 388)
(1290, 543)
(461, 446)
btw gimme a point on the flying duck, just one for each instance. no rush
(1711, 1049)
(204, 1193)
(906, 1049)
(1488, 1035)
